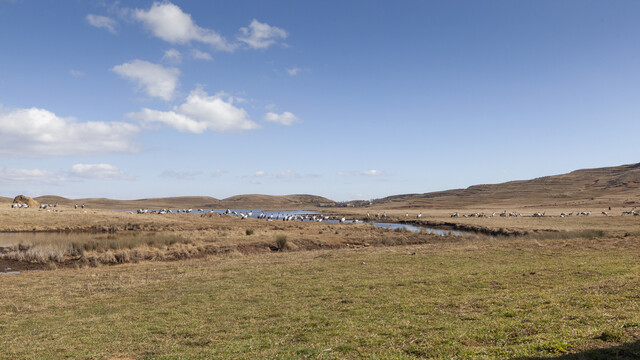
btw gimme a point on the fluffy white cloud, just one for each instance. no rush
(286, 118)
(261, 35)
(156, 80)
(103, 22)
(99, 171)
(172, 56)
(199, 113)
(40, 133)
(260, 173)
(201, 55)
(28, 176)
(169, 23)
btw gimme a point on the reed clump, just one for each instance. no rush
(100, 248)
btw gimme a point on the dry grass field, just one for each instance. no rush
(147, 286)
(476, 299)
(96, 283)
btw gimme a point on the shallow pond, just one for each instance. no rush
(310, 215)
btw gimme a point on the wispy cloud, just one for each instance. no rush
(156, 80)
(201, 55)
(172, 56)
(288, 174)
(369, 173)
(99, 171)
(373, 172)
(103, 22)
(28, 176)
(294, 71)
(261, 35)
(76, 73)
(181, 175)
(286, 118)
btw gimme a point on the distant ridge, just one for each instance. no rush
(239, 201)
(608, 186)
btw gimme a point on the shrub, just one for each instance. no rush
(281, 242)
(249, 232)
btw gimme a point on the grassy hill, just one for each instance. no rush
(235, 202)
(609, 186)
(270, 201)
(102, 203)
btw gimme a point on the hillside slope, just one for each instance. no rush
(102, 203)
(194, 202)
(609, 186)
(273, 201)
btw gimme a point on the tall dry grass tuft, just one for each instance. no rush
(281, 242)
(105, 249)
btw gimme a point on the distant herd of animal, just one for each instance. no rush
(634, 212)
(541, 214)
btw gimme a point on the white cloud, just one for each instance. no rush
(103, 22)
(288, 174)
(169, 23)
(218, 172)
(172, 56)
(157, 80)
(99, 171)
(41, 133)
(181, 175)
(199, 113)
(31, 176)
(261, 35)
(260, 173)
(294, 71)
(76, 73)
(201, 55)
(373, 172)
(286, 118)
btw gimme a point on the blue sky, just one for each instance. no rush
(343, 99)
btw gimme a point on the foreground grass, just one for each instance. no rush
(460, 300)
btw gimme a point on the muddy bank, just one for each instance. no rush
(447, 225)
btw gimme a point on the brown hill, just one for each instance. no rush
(153, 203)
(195, 202)
(273, 201)
(609, 186)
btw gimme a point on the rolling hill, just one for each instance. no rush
(608, 186)
(194, 202)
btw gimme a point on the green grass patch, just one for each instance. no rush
(453, 301)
